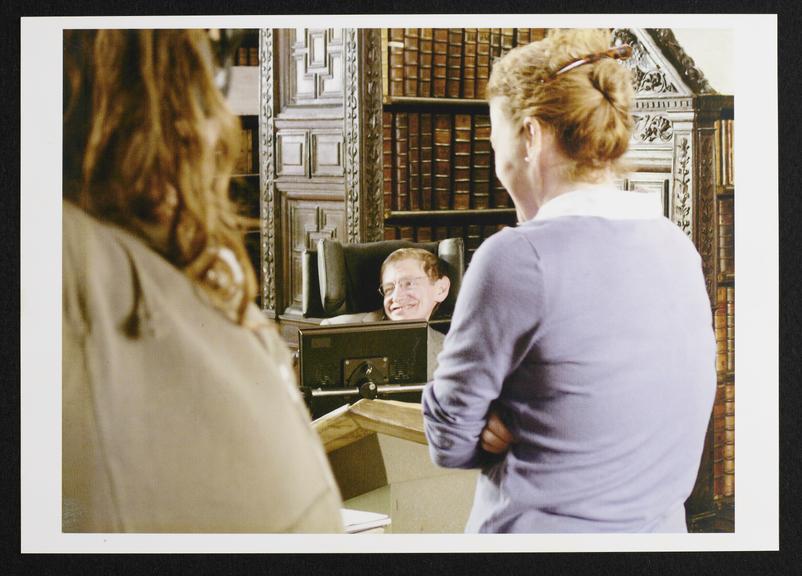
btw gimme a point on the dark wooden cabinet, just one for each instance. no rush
(319, 153)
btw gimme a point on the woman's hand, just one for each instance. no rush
(495, 437)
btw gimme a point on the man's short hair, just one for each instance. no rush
(431, 263)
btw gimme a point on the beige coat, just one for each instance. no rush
(175, 419)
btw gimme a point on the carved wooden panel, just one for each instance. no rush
(706, 239)
(307, 219)
(682, 178)
(291, 153)
(267, 170)
(316, 65)
(326, 148)
(363, 135)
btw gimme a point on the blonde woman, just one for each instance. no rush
(180, 411)
(579, 370)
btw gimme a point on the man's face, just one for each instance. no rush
(409, 294)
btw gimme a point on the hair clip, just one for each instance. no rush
(616, 52)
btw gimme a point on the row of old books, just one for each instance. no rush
(725, 144)
(439, 161)
(724, 327)
(448, 62)
(724, 439)
(472, 234)
(246, 161)
(726, 237)
(247, 56)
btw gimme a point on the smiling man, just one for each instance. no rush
(412, 284)
(412, 287)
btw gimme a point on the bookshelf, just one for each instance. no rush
(723, 424)
(439, 178)
(243, 100)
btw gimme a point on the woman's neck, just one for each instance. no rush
(553, 184)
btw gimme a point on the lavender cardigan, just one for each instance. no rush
(589, 328)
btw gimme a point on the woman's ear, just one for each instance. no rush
(441, 287)
(533, 134)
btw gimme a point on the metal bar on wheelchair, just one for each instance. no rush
(386, 389)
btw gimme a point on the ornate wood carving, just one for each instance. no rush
(706, 195)
(363, 136)
(682, 212)
(316, 63)
(291, 153)
(266, 170)
(652, 128)
(326, 149)
(647, 77)
(684, 64)
(372, 135)
(352, 135)
(307, 221)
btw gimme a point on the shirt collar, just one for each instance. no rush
(602, 202)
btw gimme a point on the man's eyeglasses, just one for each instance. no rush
(388, 289)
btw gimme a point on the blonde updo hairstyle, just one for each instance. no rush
(588, 107)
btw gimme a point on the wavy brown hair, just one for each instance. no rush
(150, 144)
(589, 108)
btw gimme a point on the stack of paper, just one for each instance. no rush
(360, 521)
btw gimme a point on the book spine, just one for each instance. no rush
(385, 36)
(454, 63)
(396, 61)
(500, 197)
(440, 232)
(507, 39)
(729, 152)
(440, 62)
(730, 328)
(423, 234)
(426, 160)
(522, 36)
(242, 56)
(536, 34)
(253, 56)
(402, 161)
(469, 63)
(387, 158)
(411, 57)
(495, 45)
(425, 62)
(719, 145)
(729, 439)
(480, 163)
(482, 61)
(391, 233)
(719, 439)
(244, 163)
(473, 238)
(462, 161)
(406, 233)
(726, 236)
(442, 161)
(720, 328)
(413, 140)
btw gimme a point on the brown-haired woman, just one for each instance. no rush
(180, 412)
(579, 370)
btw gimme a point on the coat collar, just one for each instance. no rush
(602, 202)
